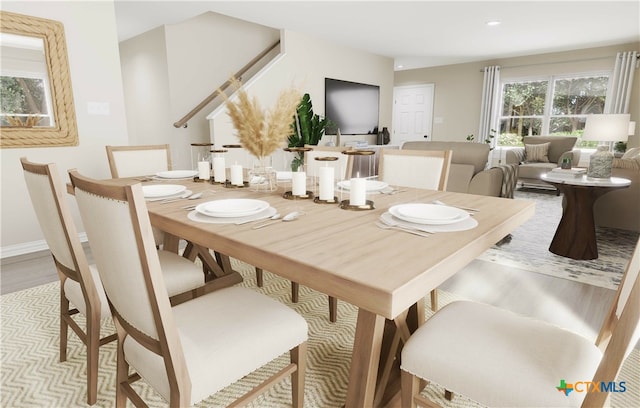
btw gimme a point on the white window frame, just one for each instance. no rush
(546, 116)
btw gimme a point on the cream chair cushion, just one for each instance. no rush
(498, 358)
(73, 291)
(180, 275)
(242, 330)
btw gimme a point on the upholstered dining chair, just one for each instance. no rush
(136, 161)
(475, 350)
(428, 169)
(147, 160)
(193, 350)
(80, 287)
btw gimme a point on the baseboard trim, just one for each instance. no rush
(30, 247)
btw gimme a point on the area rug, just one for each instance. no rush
(528, 246)
(32, 376)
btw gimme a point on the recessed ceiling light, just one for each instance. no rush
(493, 23)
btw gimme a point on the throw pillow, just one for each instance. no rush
(632, 153)
(633, 164)
(536, 153)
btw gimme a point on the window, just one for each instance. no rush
(550, 106)
(24, 101)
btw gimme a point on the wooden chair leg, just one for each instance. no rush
(93, 346)
(434, 300)
(298, 357)
(448, 395)
(295, 287)
(409, 388)
(333, 309)
(64, 327)
(259, 277)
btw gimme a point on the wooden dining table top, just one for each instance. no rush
(342, 252)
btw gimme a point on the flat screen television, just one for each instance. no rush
(352, 107)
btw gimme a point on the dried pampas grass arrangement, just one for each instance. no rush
(260, 132)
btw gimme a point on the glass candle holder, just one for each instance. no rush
(219, 165)
(200, 152)
(326, 170)
(357, 185)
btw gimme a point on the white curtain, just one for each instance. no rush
(621, 82)
(489, 103)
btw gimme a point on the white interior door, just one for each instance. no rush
(412, 113)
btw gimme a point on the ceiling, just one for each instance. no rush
(417, 33)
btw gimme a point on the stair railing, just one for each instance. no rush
(183, 122)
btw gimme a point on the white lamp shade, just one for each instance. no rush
(607, 128)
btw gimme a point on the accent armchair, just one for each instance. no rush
(540, 155)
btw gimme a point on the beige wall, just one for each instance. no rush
(458, 88)
(305, 64)
(170, 70)
(95, 75)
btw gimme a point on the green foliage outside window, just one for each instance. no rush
(524, 110)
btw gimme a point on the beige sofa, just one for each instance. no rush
(621, 208)
(468, 162)
(529, 171)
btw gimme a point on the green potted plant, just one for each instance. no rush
(620, 148)
(307, 128)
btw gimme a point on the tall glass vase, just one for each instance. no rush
(263, 177)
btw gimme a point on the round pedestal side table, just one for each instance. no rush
(575, 236)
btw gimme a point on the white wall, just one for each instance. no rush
(170, 70)
(458, 88)
(305, 64)
(95, 75)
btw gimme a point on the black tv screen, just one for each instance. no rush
(352, 107)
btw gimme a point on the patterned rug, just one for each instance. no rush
(528, 248)
(32, 376)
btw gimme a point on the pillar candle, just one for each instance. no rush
(357, 191)
(203, 170)
(299, 183)
(236, 174)
(219, 171)
(326, 182)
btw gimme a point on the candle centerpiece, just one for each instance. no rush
(219, 166)
(325, 179)
(358, 187)
(298, 176)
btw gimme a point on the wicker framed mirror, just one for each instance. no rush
(37, 108)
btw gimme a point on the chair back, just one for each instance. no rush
(620, 331)
(428, 169)
(134, 161)
(343, 166)
(52, 211)
(119, 230)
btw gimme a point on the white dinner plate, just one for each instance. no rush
(431, 214)
(262, 215)
(466, 224)
(232, 207)
(177, 174)
(370, 185)
(162, 190)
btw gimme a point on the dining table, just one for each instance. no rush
(340, 251)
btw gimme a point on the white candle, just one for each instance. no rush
(203, 170)
(219, 171)
(236, 174)
(299, 183)
(326, 182)
(357, 191)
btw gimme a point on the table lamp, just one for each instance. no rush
(604, 128)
